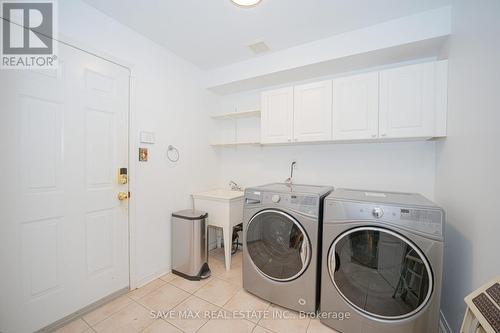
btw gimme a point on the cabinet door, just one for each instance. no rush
(355, 107)
(407, 101)
(441, 97)
(312, 119)
(277, 115)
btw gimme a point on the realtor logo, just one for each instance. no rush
(28, 29)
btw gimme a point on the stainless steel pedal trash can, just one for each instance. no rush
(189, 245)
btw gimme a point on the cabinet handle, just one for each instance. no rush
(374, 135)
(289, 140)
(383, 134)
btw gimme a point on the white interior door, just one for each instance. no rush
(312, 115)
(355, 107)
(64, 233)
(277, 115)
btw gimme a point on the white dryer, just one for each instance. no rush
(382, 262)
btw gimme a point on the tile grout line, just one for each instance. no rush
(308, 324)
(202, 326)
(148, 309)
(219, 308)
(144, 306)
(155, 319)
(267, 309)
(145, 328)
(270, 330)
(136, 301)
(111, 314)
(180, 329)
(190, 294)
(148, 292)
(81, 317)
(100, 321)
(198, 297)
(133, 301)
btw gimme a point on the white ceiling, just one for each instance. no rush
(215, 33)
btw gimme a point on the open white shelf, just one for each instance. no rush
(237, 128)
(237, 114)
(235, 144)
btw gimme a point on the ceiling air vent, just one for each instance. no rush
(259, 47)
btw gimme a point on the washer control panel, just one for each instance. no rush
(302, 203)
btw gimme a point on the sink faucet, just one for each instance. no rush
(234, 186)
(289, 180)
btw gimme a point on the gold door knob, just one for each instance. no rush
(122, 196)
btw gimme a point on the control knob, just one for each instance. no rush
(276, 198)
(378, 212)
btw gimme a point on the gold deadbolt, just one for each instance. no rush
(122, 196)
(122, 176)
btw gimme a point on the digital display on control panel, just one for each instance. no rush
(300, 200)
(419, 215)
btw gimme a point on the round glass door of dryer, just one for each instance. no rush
(380, 273)
(277, 244)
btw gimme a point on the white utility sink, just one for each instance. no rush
(225, 210)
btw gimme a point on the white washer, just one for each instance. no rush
(382, 262)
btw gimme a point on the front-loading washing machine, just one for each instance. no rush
(281, 242)
(382, 262)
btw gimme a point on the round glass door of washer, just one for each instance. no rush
(277, 244)
(380, 273)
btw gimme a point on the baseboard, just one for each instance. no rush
(62, 322)
(444, 327)
(77, 314)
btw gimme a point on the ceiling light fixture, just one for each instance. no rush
(246, 3)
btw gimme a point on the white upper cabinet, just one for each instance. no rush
(312, 119)
(397, 103)
(407, 101)
(277, 115)
(441, 111)
(355, 107)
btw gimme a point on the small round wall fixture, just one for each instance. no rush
(173, 154)
(246, 3)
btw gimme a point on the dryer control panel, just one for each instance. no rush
(423, 220)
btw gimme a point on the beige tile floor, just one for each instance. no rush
(208, 304)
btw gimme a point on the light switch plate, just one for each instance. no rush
(147, 137)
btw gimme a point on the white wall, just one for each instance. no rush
(402, 166)
(168, 101)
(468, 161)
(407, 167)
(405, 30)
